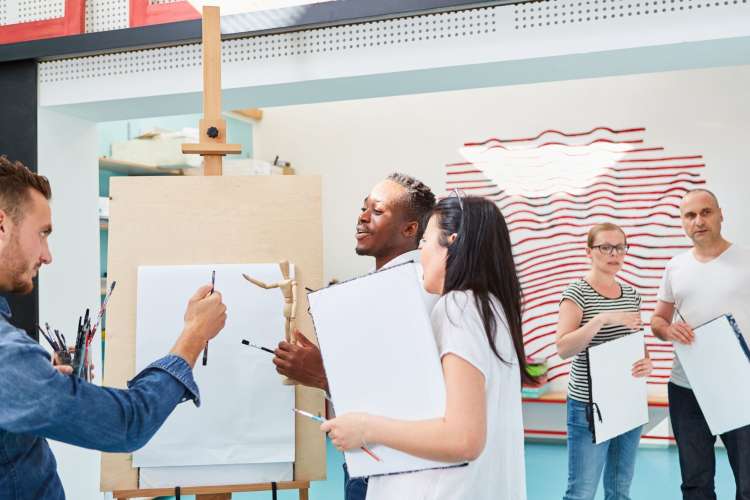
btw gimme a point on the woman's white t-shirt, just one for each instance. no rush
(499, 472)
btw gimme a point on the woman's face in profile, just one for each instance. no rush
(433, 258)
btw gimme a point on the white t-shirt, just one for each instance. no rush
(704, 290)
(499, 472)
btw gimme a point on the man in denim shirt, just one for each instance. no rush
(38, 400)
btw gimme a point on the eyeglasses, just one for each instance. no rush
(607, 249)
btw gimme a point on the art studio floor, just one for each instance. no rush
(657, 476)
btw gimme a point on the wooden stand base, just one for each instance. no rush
(217, 492)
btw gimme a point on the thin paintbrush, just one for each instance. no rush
(250, 344)
(321, 420)
(205, 349)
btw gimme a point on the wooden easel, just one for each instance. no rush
(213, 147)
(212, 128)
(216, 492)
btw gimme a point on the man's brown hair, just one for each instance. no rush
(15, 181)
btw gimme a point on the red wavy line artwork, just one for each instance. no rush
(547, 144)
(558, 132)
(552, 186)
(585, 203)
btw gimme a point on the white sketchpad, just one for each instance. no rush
(718, 369)
(380, 357)
(214, 475)
(245, 415)
(620, 399)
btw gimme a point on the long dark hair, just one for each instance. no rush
(480, 259)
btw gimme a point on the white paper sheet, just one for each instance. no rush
(621, 398)
(718, 370)
(214, 475)
(380, 357)
(245, 415)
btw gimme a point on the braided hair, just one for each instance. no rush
(419, 200)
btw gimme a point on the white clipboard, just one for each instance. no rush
(717, 365)
(619, 401)
(380, 357)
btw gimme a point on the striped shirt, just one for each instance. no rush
(592, 303)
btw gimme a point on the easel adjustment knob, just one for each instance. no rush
(212, 132)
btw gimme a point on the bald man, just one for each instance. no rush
(711, 279)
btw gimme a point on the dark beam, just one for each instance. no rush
(18, 133)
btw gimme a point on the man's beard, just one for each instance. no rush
(16, 268)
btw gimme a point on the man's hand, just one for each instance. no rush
(67, 369)
(205, 317)
(64, 369)
(681, 332)
(301, 362)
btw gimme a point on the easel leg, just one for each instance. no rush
(303, 493)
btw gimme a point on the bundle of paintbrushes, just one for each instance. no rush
(86, 332)
(56, 340)
(80, 359)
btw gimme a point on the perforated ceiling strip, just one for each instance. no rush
(40, 10)
(471, 23)
(558, 12)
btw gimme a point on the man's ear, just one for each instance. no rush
(4, 225)
(410, 230)
(452, 238)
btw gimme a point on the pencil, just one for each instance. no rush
(679, 314)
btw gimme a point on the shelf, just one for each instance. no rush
(562, 398)
(130, 168)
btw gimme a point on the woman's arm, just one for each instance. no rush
(458, 436)
(572, 338)
(643, 367)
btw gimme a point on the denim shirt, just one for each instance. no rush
(38, 402)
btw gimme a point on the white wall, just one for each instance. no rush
(68, 157)
(354, 144)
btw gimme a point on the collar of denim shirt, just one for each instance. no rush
(5, 308)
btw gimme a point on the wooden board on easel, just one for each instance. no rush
(191, 220)
(216, 220)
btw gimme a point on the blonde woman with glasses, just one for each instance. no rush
(593, 310)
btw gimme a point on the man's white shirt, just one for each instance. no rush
(703, 291)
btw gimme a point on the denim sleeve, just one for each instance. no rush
(37, 399)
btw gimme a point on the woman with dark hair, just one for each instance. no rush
(467, 259)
